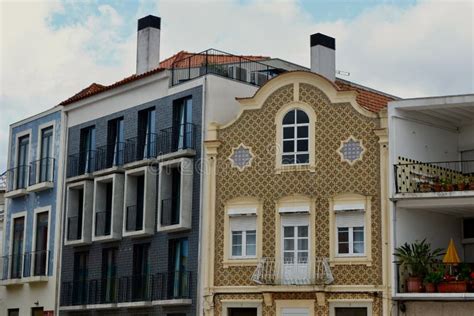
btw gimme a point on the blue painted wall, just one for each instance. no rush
(34, 200)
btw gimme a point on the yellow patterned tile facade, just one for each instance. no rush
(256, 129)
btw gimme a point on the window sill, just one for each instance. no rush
(16, 193)
(173, 302)
(12, 282)
(188, 152)
(137, 233)
(240, 262)
(295, 168)
(40, 186)
(350, 261)
(173, 228)
(77, 242)
(37, 278)
(103, 172)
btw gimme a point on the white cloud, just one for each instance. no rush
(424, 49)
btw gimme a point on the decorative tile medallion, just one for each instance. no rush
(241, 157)
(351, 150)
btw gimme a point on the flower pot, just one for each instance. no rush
(425, 187)
(471, 186)
(414, 284)
(452, 287)
(430, 287)
(437, 187)
(449, 187)
(460, 186)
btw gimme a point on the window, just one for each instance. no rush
(295, 137)
(178, 268)
(80, 276)
(109, 258)
(351, 311)
(79, 212)
(146, 142)
(468, 228)
(103, 215)
(41, 254)
(350, 233)
(135, 211)
(350, 229)
(243, 236)
(183, 127)
(22, 162)
(17, 247)
(13, 312)
(141, 272)
(242, 311)
(115, 143)
(295, 307)
(87, 150)
(46, 162)
(74, 221)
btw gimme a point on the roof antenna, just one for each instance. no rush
(342, 72)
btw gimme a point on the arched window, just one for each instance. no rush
(295, 138)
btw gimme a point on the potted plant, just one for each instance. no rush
(432, 279)
(437, 184)
(425, 187)
(417, 257)
(460, 185)
(456, 282)
(448, 185)
(471, 183)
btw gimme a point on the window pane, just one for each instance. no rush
(358, 247)
(251, 237)
(343, 234)
(251, 250)
(237, 238)
(358, 234)
(302, 145)
(288, 132)
(302, 257)
(288, 257)
(289, 244)
(302, 158)
(288, 159)
(302, 131)
(303, 244)
(289, 118)
(343, 247)
(288, 231)
(302, 231)
(288, 146)
(301, 117)
(236, 250)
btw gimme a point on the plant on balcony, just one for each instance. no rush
(471, 183)
(456, 281)
(448, 184)
(432, 279)
(417, 258)
(437, 184)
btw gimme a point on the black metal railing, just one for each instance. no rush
(134, 218)
(42, 170)
(13, 267)
(170, 211)
(134, 288)
(103, 221)
(212, 61)
(81, 163)
(418, 177)
(181, 136)
(74, 228)
(17, 178)
(36, 263)
(110, 155)
(141, 147)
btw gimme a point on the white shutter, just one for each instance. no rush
(349, 206)
(242, 210)
(350, 219)
(295, 312)
(294, 208)
(295, 220)
(241, 223)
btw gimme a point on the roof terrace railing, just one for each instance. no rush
(213, 61)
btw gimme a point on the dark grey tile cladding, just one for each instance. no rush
(159, 241)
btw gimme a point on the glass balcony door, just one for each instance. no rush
(109, 258)
(17, 247)
(22, 163)
(295, 267)
(183, 123)
(141, 272)
(46, 153)
(87, 150)
(178, 286)
(40, 256)
(79, 290)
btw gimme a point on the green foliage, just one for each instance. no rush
(434, 276)
(418, 257)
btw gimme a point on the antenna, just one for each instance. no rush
(342, 72)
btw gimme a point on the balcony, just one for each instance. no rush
(13, 269)
(41, 174)
(81, 164)
(17, 181)
(140, 149)
(165, 289)
(271, 271)
(177, 141)
(103, 220)
(134, 218)
(79, 213)
(27, 267)
(74, 228)
(170, 211)
(222, 64)
(110, 157)
(434, 179)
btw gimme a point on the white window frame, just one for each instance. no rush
(40, 144)
(243, 244)
(10, 250)
(87, 208)
(352, 303)
(350, 238)
(33, 246)
(30, 151)
(295, 137)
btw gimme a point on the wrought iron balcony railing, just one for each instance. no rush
(13, 267)
(36, 263)
(420, 177)
(271, 271)
(17, 178)
(170, 211)
(134, 288)
(141, 147)
(103, 221)
(74, 228)
(81, 163)
(171, 139)
(222, 64)
(110, 155)
(134, 218)
(42, 170)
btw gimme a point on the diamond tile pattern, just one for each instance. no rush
(351, 150)
(241, 157)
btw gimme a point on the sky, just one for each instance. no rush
(49, 50)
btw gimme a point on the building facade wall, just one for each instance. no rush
(256, 129)
(24, 296)
(158, 251)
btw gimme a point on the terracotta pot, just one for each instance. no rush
(471, 186)
(425, 187)
(449, 187)
(430, 287)
(452, 287)
(437, 187)
(460, 186)
(414, 285)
